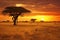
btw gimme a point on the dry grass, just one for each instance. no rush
(30, 31)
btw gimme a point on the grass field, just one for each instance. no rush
(30, 31)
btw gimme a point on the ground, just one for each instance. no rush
(30, 31)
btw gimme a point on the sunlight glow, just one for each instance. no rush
(19, 5)
(28, 18)
(43, 17)
(40, 18)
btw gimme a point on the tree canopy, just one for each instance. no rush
(15, 12)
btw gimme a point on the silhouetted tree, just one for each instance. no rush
(33, 20)
(14, 12)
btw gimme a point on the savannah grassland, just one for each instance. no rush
(30, 31)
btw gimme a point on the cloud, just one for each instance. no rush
(34, 5)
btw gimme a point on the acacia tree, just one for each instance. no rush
(14, 12)
(33, 20)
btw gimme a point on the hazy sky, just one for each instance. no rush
(38, 7)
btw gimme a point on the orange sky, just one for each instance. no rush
(49, 9)
(38, 17)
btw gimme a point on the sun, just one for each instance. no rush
(42, 19)
(19, 5)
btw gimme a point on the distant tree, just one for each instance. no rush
(33, 20)
(14, 12)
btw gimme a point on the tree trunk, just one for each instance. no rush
(15, 19)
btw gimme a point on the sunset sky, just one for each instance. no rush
(48, 10)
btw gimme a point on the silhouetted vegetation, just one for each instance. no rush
(14, 12)
(33, 20)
